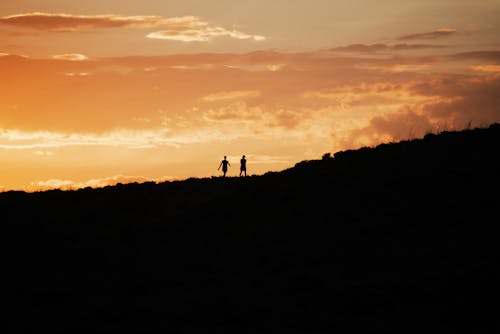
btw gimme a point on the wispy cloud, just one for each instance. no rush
(70, 22)
(393, 68)
(380, 93)
(380, 47)
(438, 33)
(76, 74)
(16, 139)
(239, 119)
(194, 67)
(231, 95)
(486, 55)
(487, 68)
(204, 34)
(52, 184)
(71, 56)
(275, 67)
(184, 28)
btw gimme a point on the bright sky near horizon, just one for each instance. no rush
(98, 92)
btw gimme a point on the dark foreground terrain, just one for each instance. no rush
(399, 238)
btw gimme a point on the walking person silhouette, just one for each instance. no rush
(243, 166)
(224, 164)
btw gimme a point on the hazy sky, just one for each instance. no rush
(97, 92)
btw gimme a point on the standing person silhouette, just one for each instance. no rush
(243, 166)
(224, 163)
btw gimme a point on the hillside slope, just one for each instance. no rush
(397, 238)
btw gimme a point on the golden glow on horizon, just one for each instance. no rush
(114, 92)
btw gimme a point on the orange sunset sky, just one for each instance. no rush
(97, 92)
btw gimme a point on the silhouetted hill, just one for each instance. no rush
(398, 238)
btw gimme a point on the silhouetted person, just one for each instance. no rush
(243, 166)
(224, 163)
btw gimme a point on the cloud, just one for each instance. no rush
(239, 119)
(12, 56)
(473, 100)
(52, 184)
(275, 67)
(238, 111)
(438, 33)
(403, 124)
(175, 107)
(194, 67)
(71, 56)
(231, 95)
(17, 139)
(393, 68)
(486, 68)
(201, 35)
(184, 28)
(69, 22)
(379, 94)
(77, 74)
(484, 55)
(182, 36)
(453, 103)
(232, 121)
(380, 47)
